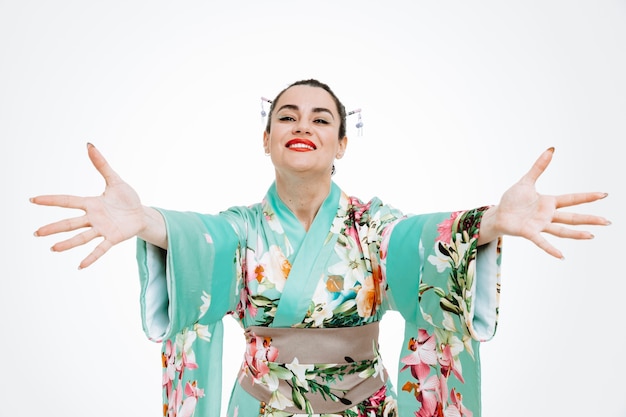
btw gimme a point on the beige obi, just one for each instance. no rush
(314, 371)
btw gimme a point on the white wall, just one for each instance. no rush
(458, 100)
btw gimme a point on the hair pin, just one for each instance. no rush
(359, 123)
(264, 100)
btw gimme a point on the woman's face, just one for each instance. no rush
(304, 132)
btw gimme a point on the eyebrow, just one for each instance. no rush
(315, 109)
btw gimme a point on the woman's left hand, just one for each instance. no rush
(524, 212)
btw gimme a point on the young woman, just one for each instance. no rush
(310, 271)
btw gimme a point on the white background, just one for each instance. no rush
(458, 100)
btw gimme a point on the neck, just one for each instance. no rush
(304, 197)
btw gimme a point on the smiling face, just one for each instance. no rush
(303, 135)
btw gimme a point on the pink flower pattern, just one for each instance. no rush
(423, 356)
(259, 352)
(445, 228)
(179, 402)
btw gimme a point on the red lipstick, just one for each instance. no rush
(300, 145)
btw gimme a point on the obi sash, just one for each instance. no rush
(321, 371)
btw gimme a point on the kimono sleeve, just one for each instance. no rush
(194, 280)
(185, 293)
(447, 290)
(438, 273)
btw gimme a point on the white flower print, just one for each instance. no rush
(350, 265)
(206, 302)
(300, 372)
(202, 331)
(276, 267)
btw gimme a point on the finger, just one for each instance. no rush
(546, 246)
(59, 200)
(568, 200)
(539, 166)
(62, 226)
(579, 219)
(78, 240)
(101, 164)
(566, 233)
(99, 250)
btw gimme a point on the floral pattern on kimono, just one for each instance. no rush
(375, 258)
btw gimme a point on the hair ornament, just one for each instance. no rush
(263, 101)
(359, 123)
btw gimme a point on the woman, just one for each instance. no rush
(309, 273)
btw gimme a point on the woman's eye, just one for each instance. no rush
(321, 121)
(286, 118)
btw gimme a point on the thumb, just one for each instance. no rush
(539, 166)
(101, 164)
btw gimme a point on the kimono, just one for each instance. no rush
(356, 261)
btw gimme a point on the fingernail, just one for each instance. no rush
(35, 234)
(605, 195)
(551, 149)
(89, 144)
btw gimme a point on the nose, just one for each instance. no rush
(302, 126)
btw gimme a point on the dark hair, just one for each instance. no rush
(313, 83)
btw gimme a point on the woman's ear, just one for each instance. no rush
(266, 143)
(343, 143)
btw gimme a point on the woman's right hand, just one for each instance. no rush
(115, 216)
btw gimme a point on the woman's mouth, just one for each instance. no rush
(301, 145)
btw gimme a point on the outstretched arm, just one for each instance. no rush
(524, 212)
(115, 216)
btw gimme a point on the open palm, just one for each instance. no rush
(115, 216)
(524, 212)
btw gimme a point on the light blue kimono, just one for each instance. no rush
(356, 261)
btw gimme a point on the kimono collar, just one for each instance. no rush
(311, 252)
(291, 225)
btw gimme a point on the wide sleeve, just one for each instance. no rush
(437, 272)
(447, 289)
(194, 279)
(185, 293)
